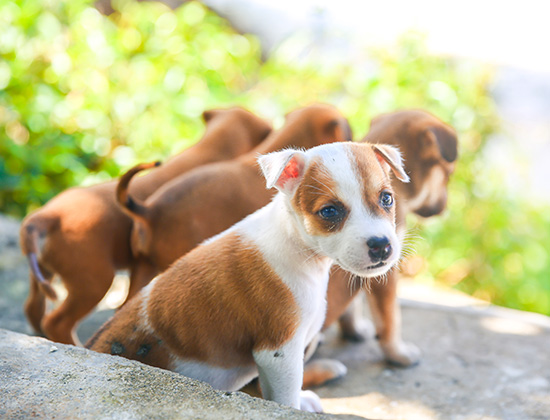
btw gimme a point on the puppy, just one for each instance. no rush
(248, 301)
(82, 236)
(208, 200)
(429, 149)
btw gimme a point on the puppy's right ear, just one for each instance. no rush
(283, 170)
(209, 114)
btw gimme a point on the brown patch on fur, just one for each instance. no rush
(375, 180)
(316, 191)
(220, 302)
(125, 335)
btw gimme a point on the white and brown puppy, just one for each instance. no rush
(248, 301)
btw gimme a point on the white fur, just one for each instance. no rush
(230, 379)
(429, 195)
(143, 311)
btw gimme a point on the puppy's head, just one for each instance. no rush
(429, 148)
(317, 124)
(253, 127)
(340, 198)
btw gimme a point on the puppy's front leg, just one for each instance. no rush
(281, 372)
(387, 318)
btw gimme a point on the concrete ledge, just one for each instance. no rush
(41, 379)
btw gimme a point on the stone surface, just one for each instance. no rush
(479, 362)
(42, 379)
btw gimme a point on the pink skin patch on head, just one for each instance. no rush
(291, 171)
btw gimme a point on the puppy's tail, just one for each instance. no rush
(32, 230)
(133, 208)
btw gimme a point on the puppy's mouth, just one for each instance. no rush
(369, 271)
(380, 264)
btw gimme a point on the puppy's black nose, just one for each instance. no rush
(379, 248)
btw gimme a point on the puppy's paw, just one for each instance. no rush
(321, 371)
(357, 331)
(309, 401)
(401, 353)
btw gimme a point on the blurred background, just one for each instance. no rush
(88, 90)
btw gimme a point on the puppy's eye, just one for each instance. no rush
(386, 200)
(330, 213)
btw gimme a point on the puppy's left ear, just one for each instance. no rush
(390, 158)
(283, 170)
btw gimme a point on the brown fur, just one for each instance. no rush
(373, 185)
(316, 191)
(206, 201)
(216, 304)
(427, 144)
(86, 235)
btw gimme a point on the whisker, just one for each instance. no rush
(324, 185)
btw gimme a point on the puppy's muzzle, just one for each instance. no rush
(380, 248)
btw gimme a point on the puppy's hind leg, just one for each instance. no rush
(141, 274)
(85, 289)
(353, 325)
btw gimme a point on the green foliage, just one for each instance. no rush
(84, 96)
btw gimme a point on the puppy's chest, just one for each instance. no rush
(310, 295)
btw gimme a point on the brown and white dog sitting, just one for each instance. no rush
(429, 149)
(248, 301)
(83, 236)
(210, 199)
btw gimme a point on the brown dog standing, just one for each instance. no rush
(429, 148)
(206, 201)
(82, 236)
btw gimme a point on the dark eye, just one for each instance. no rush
(386, 200)
(329, 212)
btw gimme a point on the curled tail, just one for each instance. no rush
(129, 205)
(30, 232)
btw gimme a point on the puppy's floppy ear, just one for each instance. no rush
(210, 113)
(390, 158)
(283, 170)
(446, 140)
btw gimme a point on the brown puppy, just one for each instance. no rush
(429, 148)
(82, 235)
(208, 200)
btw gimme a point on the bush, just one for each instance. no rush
(84, 96)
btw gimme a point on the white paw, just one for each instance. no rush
(309, 401)
(401, 353)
